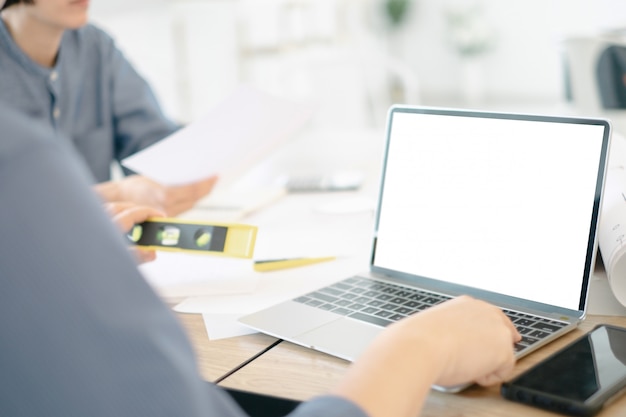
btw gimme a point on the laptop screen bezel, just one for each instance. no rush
(451, 288)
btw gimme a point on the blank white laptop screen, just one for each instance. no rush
(496, 204)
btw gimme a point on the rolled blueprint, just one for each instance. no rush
(612, 231)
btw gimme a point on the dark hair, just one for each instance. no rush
(9, 3)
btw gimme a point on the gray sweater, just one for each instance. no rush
(82, 332)
(92, 98)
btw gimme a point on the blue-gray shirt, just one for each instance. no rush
(82, 333)
(92, 95)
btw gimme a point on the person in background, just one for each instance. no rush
(69, 76)
(85, 335)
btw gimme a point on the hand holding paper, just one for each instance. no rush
(230, 139)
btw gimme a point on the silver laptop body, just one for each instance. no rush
(503, 207)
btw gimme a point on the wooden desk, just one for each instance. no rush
(292, 371)
(295, 372)
(218, 357)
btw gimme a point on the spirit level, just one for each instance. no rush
(224, 239)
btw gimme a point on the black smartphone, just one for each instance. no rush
(578, 379)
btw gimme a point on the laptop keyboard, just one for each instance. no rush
(382, 303)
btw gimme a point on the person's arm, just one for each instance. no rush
(138, 118)
(138, 122)
(462, 340)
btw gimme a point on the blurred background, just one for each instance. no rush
(356, 57)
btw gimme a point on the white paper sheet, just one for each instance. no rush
(179, 275)
(222, 326)
(274, 287)
(316, 234)
(222, 311)
(231, 138)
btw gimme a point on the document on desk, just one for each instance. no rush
(229, 140)
(176, 276)
(220, 312)
(327, 234)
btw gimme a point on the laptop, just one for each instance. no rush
(503, 207)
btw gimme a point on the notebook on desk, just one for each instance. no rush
(503, 207)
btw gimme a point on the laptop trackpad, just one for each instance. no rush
(288, 319)
(331, 338)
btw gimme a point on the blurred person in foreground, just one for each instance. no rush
(86, 335)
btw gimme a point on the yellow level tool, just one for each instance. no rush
(222, 239)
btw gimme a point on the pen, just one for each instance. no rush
(276, 264)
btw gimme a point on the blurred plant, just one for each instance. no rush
(396, 11)
(469, 31)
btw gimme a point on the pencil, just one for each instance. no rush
(276, 264)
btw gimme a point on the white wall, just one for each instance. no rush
(525, 63)
(186, 49)
(524, 66)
